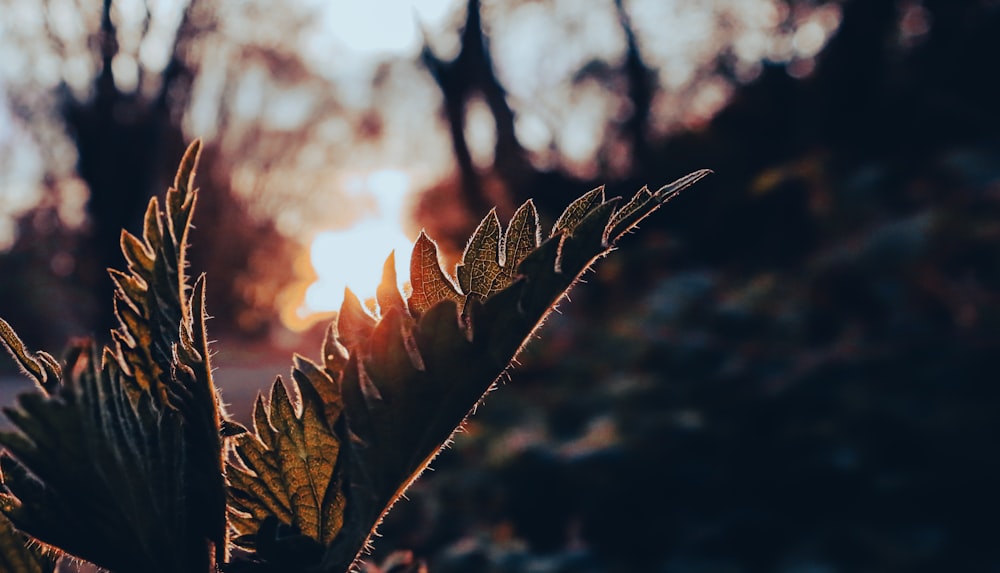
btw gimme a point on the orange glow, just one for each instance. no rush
(353, 257)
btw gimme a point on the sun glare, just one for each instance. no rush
(354, 257)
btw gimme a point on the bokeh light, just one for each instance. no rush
(391, 27)
(353, 257)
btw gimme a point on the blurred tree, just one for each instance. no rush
(811, 381)
(803, 79)
(124, 80)
(467, 75)
(848, 234)
(117, 114)
(536, 99)
(119, 133)
(599, 96)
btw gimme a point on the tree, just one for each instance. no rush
(122, 121)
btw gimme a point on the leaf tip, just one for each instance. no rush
(670, 190)
(184, 180)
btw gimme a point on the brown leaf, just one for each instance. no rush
(480, 262)
(428, 281)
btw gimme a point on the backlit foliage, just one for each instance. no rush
(118, 458)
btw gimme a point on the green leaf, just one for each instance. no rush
(119, 460)
(393, 389)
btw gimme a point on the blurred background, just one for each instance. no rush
(789, 368)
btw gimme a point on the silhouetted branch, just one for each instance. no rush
(119, 137)
(640, 91)
(469, 73)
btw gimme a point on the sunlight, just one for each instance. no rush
(388, 27)
(353, 257)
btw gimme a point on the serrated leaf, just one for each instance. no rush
(480, 265)
(40, 370)
(138, 258)
(354, 324)
(429, 283)
(121, 507)
(523, 235)
(577, 210)
(635, 205)
(392, 390)
(587, 238)
(311, 379)
(399, 415)
(119, 460)
(287, 464)
(18, 554)
(387, 295)
(644, 203)
(253, 494)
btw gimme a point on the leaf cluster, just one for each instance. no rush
(117, 458)
(120, 458)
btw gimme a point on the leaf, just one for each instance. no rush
(387, 295)
(19, 555)
(480, 265)
(287, 464)
(119, 460)
(644, 203)
(522, 236)
(354, 324)
(576, 211)
(121, 505)
(429, 283)
(42, 367)
(392, 390)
